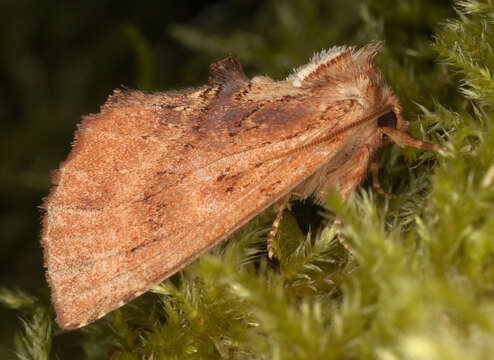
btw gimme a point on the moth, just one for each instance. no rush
(156, 179)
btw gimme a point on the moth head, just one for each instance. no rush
(349, 74)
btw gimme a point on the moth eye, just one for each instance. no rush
(388, 120)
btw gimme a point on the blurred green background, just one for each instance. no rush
(60, 60)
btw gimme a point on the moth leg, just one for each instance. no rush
(346, 178)
(374, 168)
(404, 139)
(279, 207)
(341, 238)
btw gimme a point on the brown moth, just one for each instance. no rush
(156, 179)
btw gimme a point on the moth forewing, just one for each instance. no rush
(154, 180)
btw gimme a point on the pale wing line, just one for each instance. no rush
(117, 135)
(73, 210)
(285, 155)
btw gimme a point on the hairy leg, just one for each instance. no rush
(279, 208)
(375, 181)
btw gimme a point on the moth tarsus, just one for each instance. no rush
(374, 168)
(339, 235)
(156, 179)
(279, 208)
